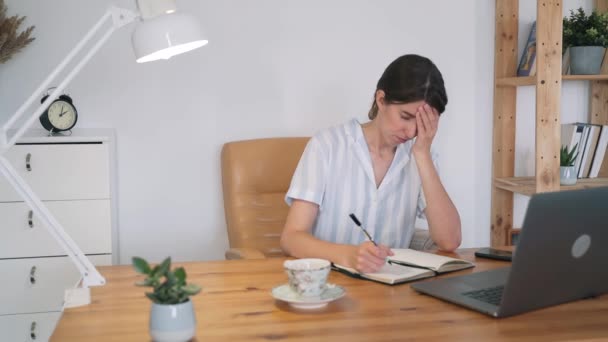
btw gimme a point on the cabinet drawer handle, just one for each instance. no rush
(28, 164)
(33, 330)
(30, 219)
(33, 275)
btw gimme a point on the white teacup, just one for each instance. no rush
(307, 277)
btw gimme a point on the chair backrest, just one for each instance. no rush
(255, 177)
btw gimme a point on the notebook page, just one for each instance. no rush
(432, 261)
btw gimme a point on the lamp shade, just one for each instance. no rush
(165, 36)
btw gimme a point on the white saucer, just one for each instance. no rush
(331, 293)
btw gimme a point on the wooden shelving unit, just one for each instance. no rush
(548, 83)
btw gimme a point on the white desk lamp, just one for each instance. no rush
(163, 32)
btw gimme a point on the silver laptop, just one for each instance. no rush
(562, 255)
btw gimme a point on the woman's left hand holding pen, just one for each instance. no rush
(367, 257)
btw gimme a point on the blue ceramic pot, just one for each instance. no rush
(172, 322)
(586, 60)
(567, 175)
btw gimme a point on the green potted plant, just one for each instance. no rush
(172, 314)
(567, 170)
(587, 38)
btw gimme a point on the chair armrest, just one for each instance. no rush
(243, 253)
(421, 240)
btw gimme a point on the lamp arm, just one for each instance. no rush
(90, 275)
(120, 17)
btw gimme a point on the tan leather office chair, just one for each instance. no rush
(255, 177)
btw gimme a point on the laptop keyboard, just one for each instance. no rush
(491, 295)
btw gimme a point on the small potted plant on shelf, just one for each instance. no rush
(587, 38)
(172, 314)
(567, 171)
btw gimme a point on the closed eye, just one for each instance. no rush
(407, 116)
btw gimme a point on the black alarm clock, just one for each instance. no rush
(61, 115)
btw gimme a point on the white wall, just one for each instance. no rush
(272, 68)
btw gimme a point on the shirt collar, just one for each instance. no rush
(402, 155)
(355, 132)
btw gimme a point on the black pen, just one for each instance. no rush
(354, 218)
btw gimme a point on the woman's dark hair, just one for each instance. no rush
(411, 78)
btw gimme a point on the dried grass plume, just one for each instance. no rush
(11, 41)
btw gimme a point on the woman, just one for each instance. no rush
(382, 171)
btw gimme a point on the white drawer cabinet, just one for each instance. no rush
(35, 284)
(60, 171)
(87, 222)
(28, 327)
(73, 176)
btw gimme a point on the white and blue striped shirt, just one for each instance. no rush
(335, 172)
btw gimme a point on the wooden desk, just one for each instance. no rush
(236, 305)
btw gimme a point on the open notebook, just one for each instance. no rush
(407, 265)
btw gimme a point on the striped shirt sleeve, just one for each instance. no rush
(309, 180)
(421, 198)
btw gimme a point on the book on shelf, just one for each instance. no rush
(407, 265)
(572, 135)
(600, 153)
(588, 150)
(581, 148)
(527, 63)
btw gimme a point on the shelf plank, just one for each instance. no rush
(515, 81)
(585, 77)
(531, 80)
(527, 185)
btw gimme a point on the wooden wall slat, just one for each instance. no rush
(598, 100)
(548, 93)
(601, 5)
(503, 154)
(598, 106)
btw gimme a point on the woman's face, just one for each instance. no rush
(397, 121)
